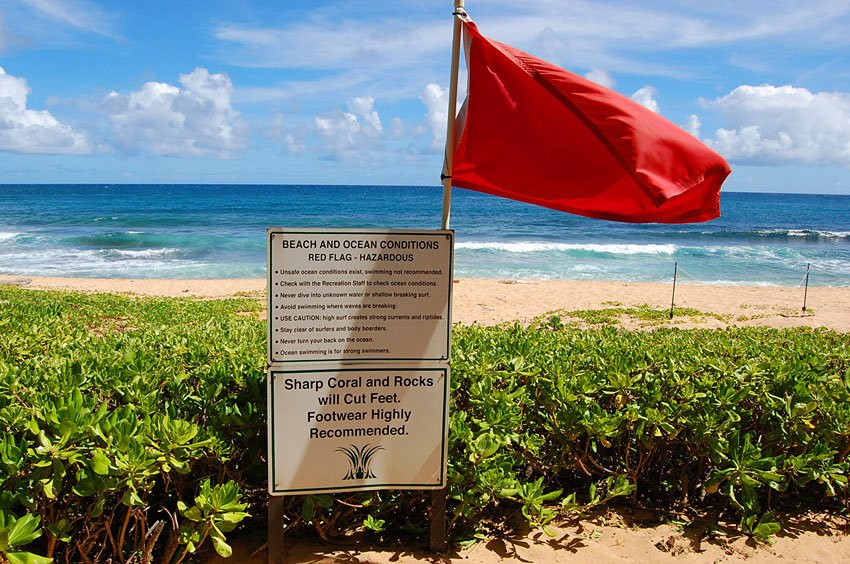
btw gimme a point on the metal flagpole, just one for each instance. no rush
(438, 497)
(452, 110)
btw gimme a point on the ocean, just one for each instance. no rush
(219, 231)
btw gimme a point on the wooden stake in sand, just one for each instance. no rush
(673, 299)
(806, 290)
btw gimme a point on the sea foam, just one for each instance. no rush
(539, 247)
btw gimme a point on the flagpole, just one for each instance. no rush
(452, 110)
(438, 497)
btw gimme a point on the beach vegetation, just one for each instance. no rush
(646, 315)
(135, 428)
(117, 423)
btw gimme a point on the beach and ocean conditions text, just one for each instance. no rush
(359, 296)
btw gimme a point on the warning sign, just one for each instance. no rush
(359, 295)
(341, 429)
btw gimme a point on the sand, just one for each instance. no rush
(611, 538)
(623, 537)
(491, 301)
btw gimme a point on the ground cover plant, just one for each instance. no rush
(645, 315)
(134, 429)
(127, 426)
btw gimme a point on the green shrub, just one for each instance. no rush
(115, 414)
(741, 415)
(124, 418)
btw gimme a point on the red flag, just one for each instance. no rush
(533, 132)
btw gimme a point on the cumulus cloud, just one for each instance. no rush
(23, 130)
(599, 76)
(436, 101)
(195, 119)
(783, 124)
(347, 134)
(692, 125)
(646, 97)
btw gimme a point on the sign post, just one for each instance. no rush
(358, 341)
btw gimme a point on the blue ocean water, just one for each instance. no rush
(211, 231)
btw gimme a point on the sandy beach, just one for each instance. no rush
(608, 538)
(494, 301)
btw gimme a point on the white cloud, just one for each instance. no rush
(666, 24)
(436, 101)
(599, 76)
(195, 120)
(79, 14)
(346, 135)
(397, 127)
(783, 124)
(395, 47)
(334, 45)
(692, 125)
(646, 97)
(390, 54)
(24, 130)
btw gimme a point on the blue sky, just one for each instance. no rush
(353, 92)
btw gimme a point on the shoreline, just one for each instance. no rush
(490, 301)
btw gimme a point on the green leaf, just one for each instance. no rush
(234, 516)
(47, 487)
(193, 514)
(765, 529)
(307, 509)
(222, 548)
(24, 531)
(27, 558)
(551, 495)
(97, 508)
(43, 440)
(373, 524)
(100, 463)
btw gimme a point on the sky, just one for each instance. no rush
(355, 91)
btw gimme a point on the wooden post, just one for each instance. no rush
(673, 299)
(806, 291)
(438, 520)
(276, 544)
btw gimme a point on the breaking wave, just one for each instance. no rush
(540, 247)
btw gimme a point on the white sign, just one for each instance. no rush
(341, 429)
(359, 295)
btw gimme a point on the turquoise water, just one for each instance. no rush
(208, 231)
